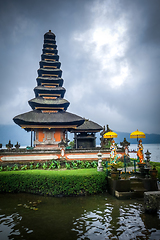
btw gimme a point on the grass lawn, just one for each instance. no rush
(58, 172)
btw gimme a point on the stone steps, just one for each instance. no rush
(131, 188)
(138, 188)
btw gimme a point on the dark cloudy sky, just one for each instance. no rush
(110, 55)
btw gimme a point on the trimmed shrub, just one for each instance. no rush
(54, 183)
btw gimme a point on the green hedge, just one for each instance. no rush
(54, 183)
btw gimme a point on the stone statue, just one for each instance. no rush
(17, 146)
(113, 153)
(9, 145)
(125, 144)
(140, 152)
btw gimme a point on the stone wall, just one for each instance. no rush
(39, 155)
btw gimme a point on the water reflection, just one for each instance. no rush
(94, 217)
(119, 220)
(11, 228)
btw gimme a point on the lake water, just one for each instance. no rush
(95, 217)
(154, 149)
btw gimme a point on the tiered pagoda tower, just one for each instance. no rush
(49, 120)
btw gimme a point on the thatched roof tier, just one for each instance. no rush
(56, 81)
(49, 41)
(40, 103)
(37, 118)
(47, 51)
(45, 64)
(41, 90)
(88, 126)
(50, 45)
(42, 72)
(49, 57)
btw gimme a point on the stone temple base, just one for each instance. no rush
(151, 201)
(131, 188)
(53, 153)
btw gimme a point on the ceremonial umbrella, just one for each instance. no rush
(110, 135)
(137, 134)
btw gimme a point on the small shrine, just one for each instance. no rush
(49, 120)
(84, 135)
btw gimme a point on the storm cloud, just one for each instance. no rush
(109, 51)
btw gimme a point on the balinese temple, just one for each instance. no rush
(84, 135)
(49, 120)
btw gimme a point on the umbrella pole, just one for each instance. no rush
(124, 163)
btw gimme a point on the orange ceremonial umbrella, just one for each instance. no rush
(137, 134)
(110, 135)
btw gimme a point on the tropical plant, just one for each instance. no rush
(82, 164)
(78, 163)
(24, 167)
(87, 164)
(55, 163)
(15, 167)
(71, 144)
(52, 165)
(108, 144)
(37, 165)
(74, 165)
(58, 165)
(1, 168)
(68, 165)
(31, 166)
(115, 166)
(8, 168)
(103, 164)
(94, 164)
(44, 166)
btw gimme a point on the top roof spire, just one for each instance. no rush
(49, 35)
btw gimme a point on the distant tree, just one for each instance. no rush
(71, 144)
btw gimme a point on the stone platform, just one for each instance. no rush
(131, 188)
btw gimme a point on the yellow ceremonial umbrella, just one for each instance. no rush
(137, 134)
(110, 135)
